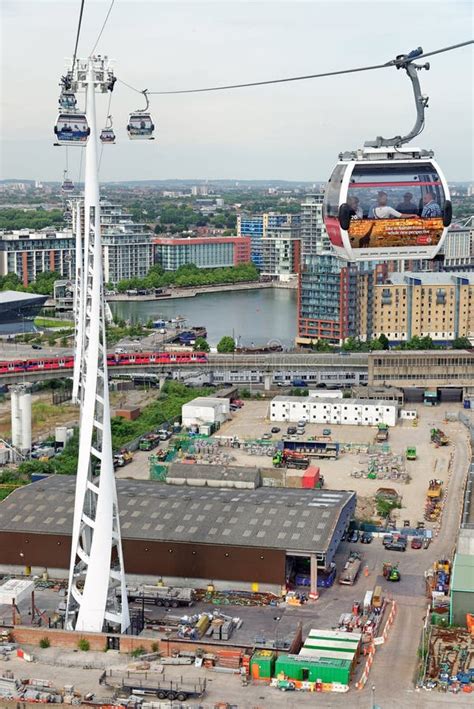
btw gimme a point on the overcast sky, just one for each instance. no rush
(291, 131)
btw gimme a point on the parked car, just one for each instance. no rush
(291, 430)
(426, 542)
(387, 539)
(302, 423)
(354, 536)
(366, 537)
(36, 347)
(416, 543)
(300, 431)
(266, 436)
(275, 429)
(397, 545)
(326, 431)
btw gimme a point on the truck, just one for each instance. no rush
(382, 433)
(439, 437)
(168, 596)
(313, 449)
(299, 383)
(148, 442)
(149, 687)
(123, 457)
(350, 572)
(290, 459)
(435, 490)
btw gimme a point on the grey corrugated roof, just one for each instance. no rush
(214, 472)
(277, 518)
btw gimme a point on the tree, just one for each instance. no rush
(375, 345)
(64, 342)
(226, 344)
(321, 346)
(384, 341)
(462, 343)
(201, 345)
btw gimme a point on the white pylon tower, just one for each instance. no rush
(97, 595)
(78, 306)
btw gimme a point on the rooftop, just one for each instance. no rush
(206, 401)
(13, 296)
(276, 518)
(335, 401)
(463, 573)
(214, 472)
(427, 278)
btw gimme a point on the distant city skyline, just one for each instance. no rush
(283, 132)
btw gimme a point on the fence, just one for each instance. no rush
(467, 519)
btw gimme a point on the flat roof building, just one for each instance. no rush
(327, 410)
(171, 252)
(16, 308)
(236, 537)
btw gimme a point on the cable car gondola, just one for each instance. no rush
(67, 100)
(140, 123)
(386, 201)
(107, 134)
(72, 128)
(68, 185)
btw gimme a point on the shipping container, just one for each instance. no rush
(305, 669)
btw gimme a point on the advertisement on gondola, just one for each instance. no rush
(415, 231)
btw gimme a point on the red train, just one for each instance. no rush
(113, 360)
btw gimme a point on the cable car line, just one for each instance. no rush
(103, 27)
(78, 34)
(393, 62)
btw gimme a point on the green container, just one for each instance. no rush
(323, 668)
(265, 661)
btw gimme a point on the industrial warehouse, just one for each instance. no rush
(201, 534)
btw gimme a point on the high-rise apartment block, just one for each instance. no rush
(127, 249)
(275, 242)
(327, 293)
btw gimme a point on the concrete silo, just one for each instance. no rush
(21, 416)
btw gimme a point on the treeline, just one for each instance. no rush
(353, 344)
(30, 219)
(190, 275)
(43, 285)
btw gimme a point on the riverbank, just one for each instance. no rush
(191, 291)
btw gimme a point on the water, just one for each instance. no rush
(252, 316)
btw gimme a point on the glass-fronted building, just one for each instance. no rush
(203, 252)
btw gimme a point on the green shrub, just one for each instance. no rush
(155, 647)
(83, 645)
(140, 650)
(44, 643)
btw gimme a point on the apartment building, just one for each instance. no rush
(127, 249)
(29, 253)
(280, 247)
(458, 249)
(438, 305)
(273, 237)
(203, 251)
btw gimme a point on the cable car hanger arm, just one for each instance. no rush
(421, 102)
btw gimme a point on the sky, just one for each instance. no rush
(291, 131)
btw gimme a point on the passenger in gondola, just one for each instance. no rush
(407, 206)
(431, 207)
(356, 209)
(383, 210)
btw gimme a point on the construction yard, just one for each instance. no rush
(358, 455)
